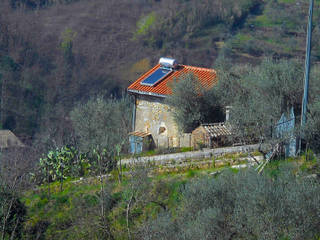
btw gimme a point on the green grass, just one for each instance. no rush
(144, 24)
(264, 21)
(60, 210)
(38, 200)
(240, 40)
(287, 1)
(191, 173)
(186, 149)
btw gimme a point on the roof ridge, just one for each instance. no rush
(200, 68)
(214, 124)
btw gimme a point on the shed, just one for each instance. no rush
(211, 135)
(140, 141)
(9, 140)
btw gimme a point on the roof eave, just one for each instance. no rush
(147, 93)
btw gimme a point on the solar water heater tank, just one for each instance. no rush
(168, 62)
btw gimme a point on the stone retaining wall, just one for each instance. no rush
(185, 156)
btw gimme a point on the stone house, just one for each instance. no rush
(150, 114)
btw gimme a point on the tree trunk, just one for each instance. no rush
(127, 215)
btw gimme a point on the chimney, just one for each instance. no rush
(228, 108)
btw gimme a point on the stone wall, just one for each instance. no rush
(154, 116)
(185, 140)
(199, 138)
(185, 156)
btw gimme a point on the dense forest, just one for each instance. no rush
(64, 69)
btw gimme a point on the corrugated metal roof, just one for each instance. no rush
(140, 134)
(207, 78)
(217, 129)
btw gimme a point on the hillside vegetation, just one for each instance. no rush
(191, 204)
(64, 68)
(57, 53)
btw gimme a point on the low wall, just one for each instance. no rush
(182, 157)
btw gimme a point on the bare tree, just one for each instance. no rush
(15, 166)
(139, 184)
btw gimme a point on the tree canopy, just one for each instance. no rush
(260, 95)
(245, 205)
(192, 104)
(101, 125)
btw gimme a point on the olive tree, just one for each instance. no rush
(245, 205)
(259, 95)
(192, 103)
(102, 127)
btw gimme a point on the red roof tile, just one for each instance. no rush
(207, 78)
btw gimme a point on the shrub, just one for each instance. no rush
(61, 163)
(245, 205)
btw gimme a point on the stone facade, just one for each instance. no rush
(154, 116)
(211, 135)
(200, 138)
(151, 114)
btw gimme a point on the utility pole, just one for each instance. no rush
(307, 71)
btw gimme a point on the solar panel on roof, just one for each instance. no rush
(156, 77)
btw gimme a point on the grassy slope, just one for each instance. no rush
(277, 30)
(70, 214)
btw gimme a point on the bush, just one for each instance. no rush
(245, 205)
(59, 163)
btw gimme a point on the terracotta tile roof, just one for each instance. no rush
(140, 134)
(217, 129)
(206, 76)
